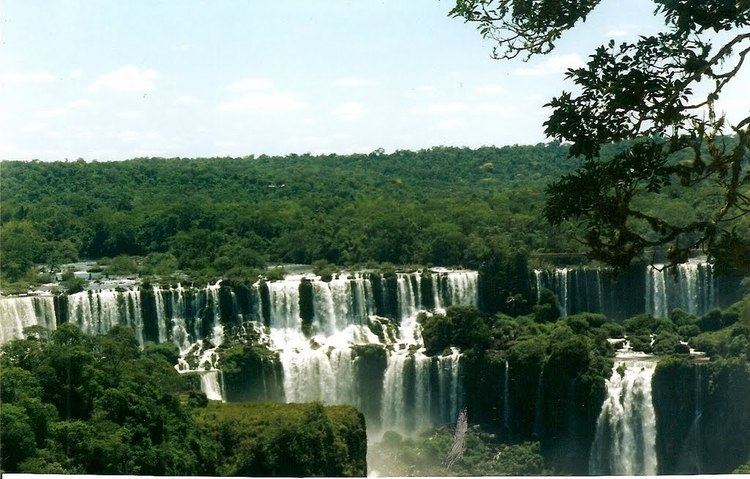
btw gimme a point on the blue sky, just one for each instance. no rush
(111, 80)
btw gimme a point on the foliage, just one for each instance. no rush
(564, 363)
(655, 97)
(291, 440)
(99, 405)
(122, 265)
(208, 216)
(71, 283)
(21, 248)
(425, 455)
(547, 310)
(462, 326)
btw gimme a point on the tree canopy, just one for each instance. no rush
(657, 97)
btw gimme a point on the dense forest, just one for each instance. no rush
(89, 395)
(73, 403)
(218, 216)
(76, 403)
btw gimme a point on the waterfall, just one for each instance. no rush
(690, 287)
(599, 291)
(179, 331)
(318, 375)
(96, 312)
(450, 386)
(408, 380)
(161, 314)
(18, 313)
(406, 299)
(656, 291)
(211, 385)
(341, 302)
(625, 439)
(392, 414)
(284, 307)
(434, 279)
(461, 287)
(561, 278)
(651, 289)
(315, 362)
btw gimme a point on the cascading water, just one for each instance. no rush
(320, 368)
(316, 337)
(691, 286)
(96, 312)
(625, 439)
(656, 292)
(18, 313)
(211, 385)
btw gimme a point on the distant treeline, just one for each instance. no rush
(442, 206)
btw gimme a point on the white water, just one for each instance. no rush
(690, 286)
(320, 367)
(18, 313)
(625, 440)
(557, 281)
(96, 312)
(211, 385)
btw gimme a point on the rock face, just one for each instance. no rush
(702, 416)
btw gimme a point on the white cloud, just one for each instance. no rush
(84, 134)
(126, 78)
(33, 127)
(457, 107)
(138, 136)
(250, 84)
(491, 89)
(20, 78)
(444, 108)
(351, 110)
(493, 108)
(76, 74)
(552, 65)
(79, 104)
(451, 123)
(130, 114)
(263, 101)
(354, 82)
(616, 33)
(186, 100)
(62, 110)
(51, 113)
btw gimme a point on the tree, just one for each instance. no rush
(20, 248)
(648, 98)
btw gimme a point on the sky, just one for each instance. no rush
(111, 80)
